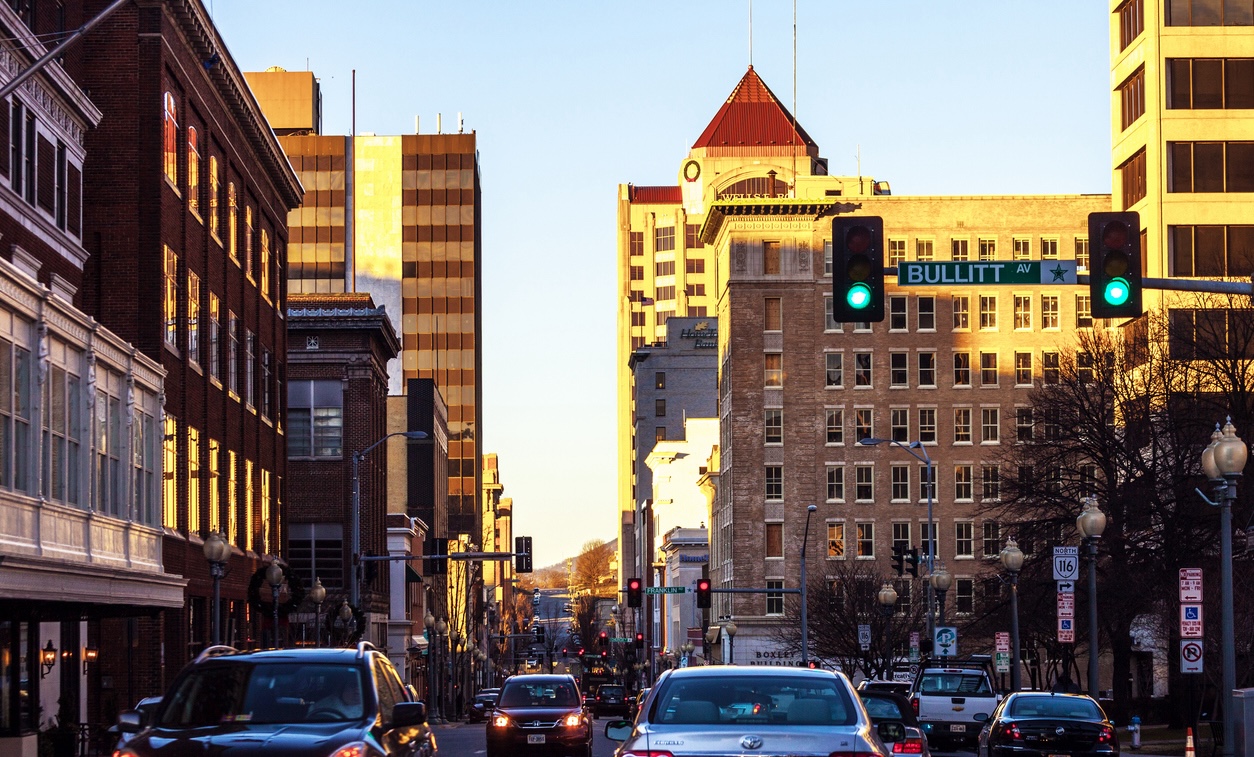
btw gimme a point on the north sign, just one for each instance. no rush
(985, 272)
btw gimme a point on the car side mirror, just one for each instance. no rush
(981, 717)
(130, 721)
(405, 714)
(891, 731)
(618, 730)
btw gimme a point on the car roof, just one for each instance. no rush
(723, 671)
(300, 654)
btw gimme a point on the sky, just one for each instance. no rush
(571, 99)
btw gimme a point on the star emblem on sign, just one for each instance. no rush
(1059, 272)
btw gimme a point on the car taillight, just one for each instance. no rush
(915, 704)
(1106, 736)
(647, 753)
(909, 746)
(356, 749)
(1011, 731)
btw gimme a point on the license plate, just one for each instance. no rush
(1059, 755)
(962, 728)
(537, 738)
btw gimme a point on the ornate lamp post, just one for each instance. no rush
(441, 635)
(1223, 461)
(217, 551)
(940, 580)
(274, 577)
(1091, 522)
(433, 699)
(888, 603)
(730, 629)
(1012, 560)
(805, 618)
(318, 594)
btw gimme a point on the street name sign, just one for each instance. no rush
(1066, 630)
(665, 589)
(1190, 655)
(986, 272)
(1190, 621)
(864, 636)
(1066, 563)
(1066, 587)
(945, 641)
(1191, 586)
(621, 639)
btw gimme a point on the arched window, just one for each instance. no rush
(215, 193)
(170, 143)
(232, 221)
(193, 171)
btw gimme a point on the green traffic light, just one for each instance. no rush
(1117, 291)
(858, 296)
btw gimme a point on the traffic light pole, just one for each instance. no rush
(1174, 285)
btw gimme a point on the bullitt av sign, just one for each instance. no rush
(986, 273)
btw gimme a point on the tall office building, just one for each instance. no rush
(398, 217)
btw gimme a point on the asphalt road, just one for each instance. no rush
(463, 738)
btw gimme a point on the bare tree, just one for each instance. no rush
(591, 572)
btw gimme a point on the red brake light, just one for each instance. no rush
(1011, 731)
(915, 704)
(647, 753)
(1106, 736)
(909, 746)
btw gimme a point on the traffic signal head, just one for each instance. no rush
(912, 562)
(564, 652)
(1115, 265)
(639, 640)
(605, 653)
(635, 592)
(703, 593)
(522, 554)
(858, 269)
(603, 638)
(899, 559)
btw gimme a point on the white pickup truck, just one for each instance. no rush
(952, 702)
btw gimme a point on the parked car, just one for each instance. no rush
(295, 702)
(1040, 724)
(892, 707)
(875, 684)
(728, 709)
(482, 705)
(539, 713)
(611, 699)
(641, 698)
(145, 709)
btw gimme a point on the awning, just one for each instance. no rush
(411, 575)
(418, 643)
(38, 579)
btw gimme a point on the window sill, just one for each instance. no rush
(834, 386)
(195, 214)
(171, 349)
(215, 381)
(925, 331)
(926, 386)
(964, 557)
(173, 187)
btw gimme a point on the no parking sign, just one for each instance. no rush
(1190, 655)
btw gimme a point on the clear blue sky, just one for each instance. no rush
(569, 99)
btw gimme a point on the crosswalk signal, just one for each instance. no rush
(912, 562)
(858, 269)
(1115, 269)
(522, 554)
(899, 559)
(635, 592)
(703, 593)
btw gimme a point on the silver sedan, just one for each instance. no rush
(729, 709)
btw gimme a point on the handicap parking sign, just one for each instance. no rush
(1192, 613)
(1064, 624)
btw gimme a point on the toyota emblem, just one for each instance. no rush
(1060, 730)
(751, 742)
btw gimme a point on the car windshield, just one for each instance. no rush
(748, 699)
(218, 693)
(955, 683)
(1055, 707)
(539, 694)
(882, 709)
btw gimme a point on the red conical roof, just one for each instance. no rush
(752, 116)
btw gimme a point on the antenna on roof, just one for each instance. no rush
(793, 191)
(750, 33)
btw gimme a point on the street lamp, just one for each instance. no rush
(1012, 560)
(274, 577)
(941, 580)
(433, 700)
(1223, 460)
(730, 629)
(1091, 523)
(805, 623)
(355, 584)
(441, 636)
(871, 441)
(888, 602)
(318, 594)
(216, 552)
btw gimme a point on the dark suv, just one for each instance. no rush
(287, 703)
(611, 699)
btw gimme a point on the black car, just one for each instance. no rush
(482, 705)
(287, 703)
(611, 699)
(539, 714)
(1039, 724)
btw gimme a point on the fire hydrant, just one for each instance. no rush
(1134, 728)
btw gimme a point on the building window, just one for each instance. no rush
(923, 249)
(899, 369)
(863, 427)
(1132, 97)
(897, 313)
(1021, 248)
(193, 171)
(829, 317)
(264, 273)
(266, 378)
(774, 423)
(962, 483)
(774, 315)
(835, 426)
(659, 380)
(1083, 311)
(1049, 249)
(635, 242)
(250, 366)
(1082, 253)
(1023, 311)
(964, 539)
(990, 425)
(193, 317)
(990, 481)
(992, 539)
(1209, 13)
(664, 239)
(664, 268)
(637, 273)
(1131, 22)
(215, 336)
(774, 369)
(1023, 368)
(866, 540)
(232, 353)
(864, 483)
(1211, 250)
(962, 369)
(827, 257)
(964, 596)
(926, 305)
(774, 482)
(835, 369)
(232, 222)
(1210, 166)
(1050, 371)
(962, 425)
(1049, 312)
(316, 550)
(835, 483)
(896, 251)
(692, 236)
(1023, 424)
(862, 369)
(988, 312)
(988, 249)
(927, 369)
(315, 419)
(927, 425)
(215, 197)
(169, 494)
(171, 297)
(988, 369)
(774, 599)
(659, 408)
(835, 540)
(899, 420)
(770, 257)
(1132, 177)
(193, 480)
(962, 312)
(774, 540)
(64, 428)
(170, 141)
(1210, 83)
(901, 483)
(960, 249)
(659, 434)
(247, 252)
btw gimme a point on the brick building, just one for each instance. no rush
(186, 196)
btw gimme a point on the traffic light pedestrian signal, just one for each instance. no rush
(603, 638)
(703, 593)
(522, 554)
(539, 634)
(857, 269)
(639, 640)
(912, 562)
(438, 549)
(1115, 265)
(899, 559)
(635, 592)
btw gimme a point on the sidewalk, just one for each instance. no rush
(1162, 741)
